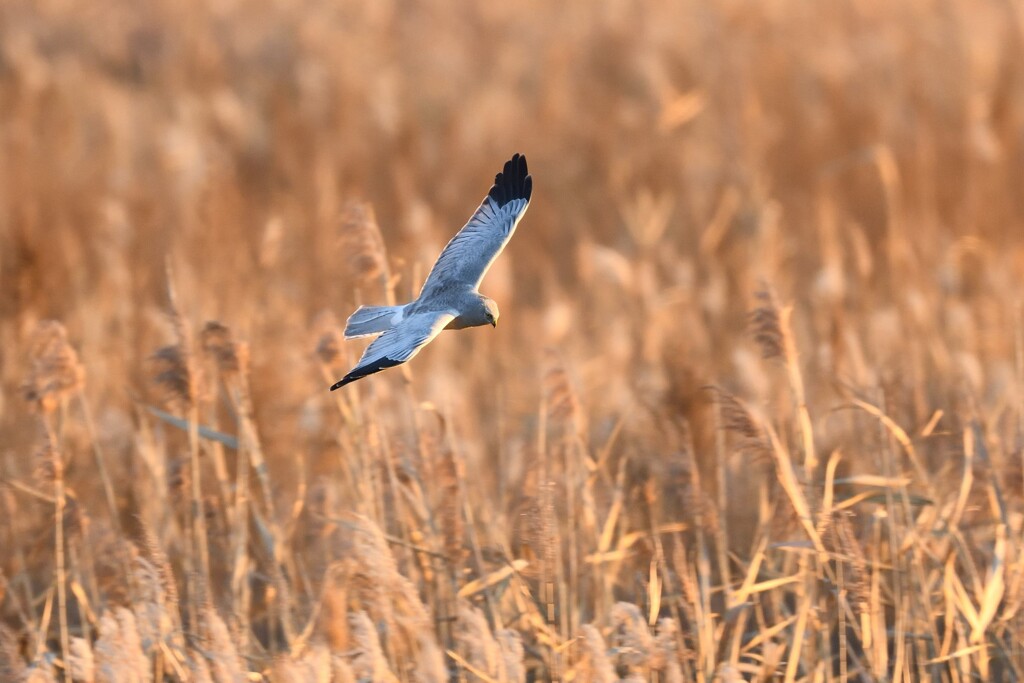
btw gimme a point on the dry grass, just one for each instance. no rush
(755, 410)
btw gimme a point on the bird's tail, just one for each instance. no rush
(369, 320)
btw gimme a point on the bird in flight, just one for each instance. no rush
(449, 298)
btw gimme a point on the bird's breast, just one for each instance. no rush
(459, 323)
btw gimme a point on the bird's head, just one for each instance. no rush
(489, 311)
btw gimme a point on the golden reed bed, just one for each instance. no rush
(755, 410)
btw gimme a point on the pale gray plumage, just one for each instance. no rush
(449, 297)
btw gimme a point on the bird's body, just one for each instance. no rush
(449, 298)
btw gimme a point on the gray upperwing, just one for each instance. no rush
(466, 258)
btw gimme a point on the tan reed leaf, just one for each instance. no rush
(495, 577)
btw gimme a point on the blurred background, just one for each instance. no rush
(271, 164)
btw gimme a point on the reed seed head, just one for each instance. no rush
(54, 370)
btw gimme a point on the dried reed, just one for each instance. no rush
(848, 507)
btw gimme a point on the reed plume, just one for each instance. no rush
(362, 243)
(118, 650)
(594, 667)
(55, 373)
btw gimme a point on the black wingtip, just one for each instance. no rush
(365, 371)
(514, 182)
(342, 382)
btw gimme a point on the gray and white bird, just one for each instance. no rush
(449, 298)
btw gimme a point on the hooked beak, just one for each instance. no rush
(494, 322)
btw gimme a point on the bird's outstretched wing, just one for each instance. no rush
(398, 344)
(472, 251)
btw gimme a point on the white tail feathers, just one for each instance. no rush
(369, 320)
